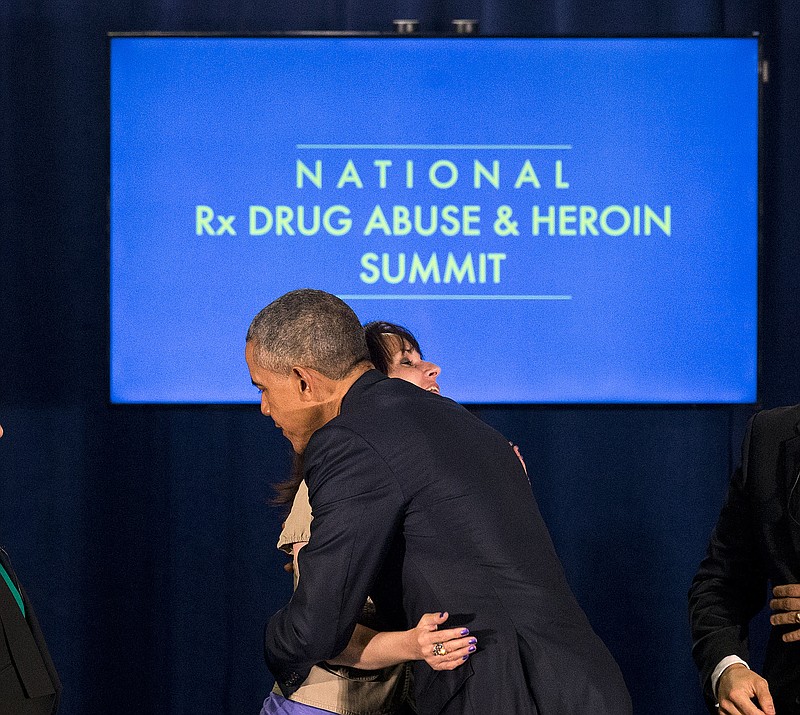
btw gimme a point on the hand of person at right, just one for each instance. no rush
(458, 644)
(786, 607)
(740, 691)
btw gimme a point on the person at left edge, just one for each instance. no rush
(29, 683)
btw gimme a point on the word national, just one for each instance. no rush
(440, 174)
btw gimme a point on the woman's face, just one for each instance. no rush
(407, 364)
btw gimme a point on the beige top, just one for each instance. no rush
(347, 691)
(297, 527)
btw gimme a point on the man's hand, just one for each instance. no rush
(786, 605)
(740, 691)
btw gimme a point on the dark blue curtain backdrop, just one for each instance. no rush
(142, 534)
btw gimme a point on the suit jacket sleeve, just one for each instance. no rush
(24, 644)
(730, 585)
(357, 507)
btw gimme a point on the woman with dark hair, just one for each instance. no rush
(396, 353)
(372, 676)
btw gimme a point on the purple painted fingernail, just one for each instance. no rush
(472, 649)
(465, 657)
(465, 632)
(473, 640)
(441, 615)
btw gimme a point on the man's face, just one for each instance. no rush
(282, 400)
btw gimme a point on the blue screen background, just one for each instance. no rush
(222, 122)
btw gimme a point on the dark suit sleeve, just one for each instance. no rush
(357, 508)
(22, 643)
(730, 585)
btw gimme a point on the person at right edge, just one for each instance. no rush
(755, 544)
(29, 683)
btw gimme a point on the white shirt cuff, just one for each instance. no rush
(723, 665)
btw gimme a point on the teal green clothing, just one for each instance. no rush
(14, 590)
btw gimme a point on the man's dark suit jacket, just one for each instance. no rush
(29, 684)
(756, 542)
(424, 507)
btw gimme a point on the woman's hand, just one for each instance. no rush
(519, 457)
(441, 649)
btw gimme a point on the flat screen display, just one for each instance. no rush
(556, 220)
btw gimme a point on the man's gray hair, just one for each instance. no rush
(311, 328)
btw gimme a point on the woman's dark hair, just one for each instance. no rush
(378, 346)
(286, 490)
(381, 357)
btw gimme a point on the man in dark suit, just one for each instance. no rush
(423, 507)
(29, 684)
(756, 542)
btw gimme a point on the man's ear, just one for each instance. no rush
(306, 382)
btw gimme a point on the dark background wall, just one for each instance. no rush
(142, 534)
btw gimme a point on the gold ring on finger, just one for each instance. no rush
(797, 616)
(439, 649)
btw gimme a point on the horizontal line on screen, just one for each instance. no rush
(416, 296)
(433, 146)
